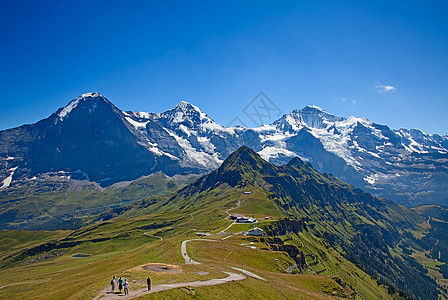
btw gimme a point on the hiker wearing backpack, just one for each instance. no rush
(112, 283)
(120, 284)
(125, 285)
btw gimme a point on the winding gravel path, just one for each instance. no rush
(183, 251)
(105, 293)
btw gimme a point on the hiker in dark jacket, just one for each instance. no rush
(112, 283)
(148, 282)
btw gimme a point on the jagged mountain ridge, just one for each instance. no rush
(92, 139)
(371, 232)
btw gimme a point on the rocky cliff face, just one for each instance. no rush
(92, 139)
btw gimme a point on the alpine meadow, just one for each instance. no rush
(224, 150)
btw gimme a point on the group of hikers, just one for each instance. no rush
(124, 285)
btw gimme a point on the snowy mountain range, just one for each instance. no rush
(91, 139)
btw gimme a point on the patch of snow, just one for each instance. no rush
(140, 114)
(74, 103)
(370, 179)
(90, 95)
(273, 152)
(185, 129)
(373, 154)
(69, 108)
(275, 137)
(216, 128)
(208, 146)
(354, 120)
(7, 181)
(178, 117)
(153, 148)
(407, 148)
(409, 142)
(357, 147)
(316, 107)
(437, 148)
(210, 161)
(374, 178)
(414, 146)
(338, 143)
(265, 128)
(136, 124)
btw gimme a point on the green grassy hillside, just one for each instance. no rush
(58, 203)
(323, 239)
(119, 246)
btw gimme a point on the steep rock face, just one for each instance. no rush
(88, 138)
(93, 139)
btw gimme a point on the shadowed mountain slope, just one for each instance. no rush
(92, 139)
(376, 234)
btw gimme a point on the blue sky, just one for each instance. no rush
(384, 60)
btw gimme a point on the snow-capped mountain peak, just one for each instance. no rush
(314, 107)
(189, 109)
(91, 95)
(185, 113)
(309, 116)
(315, 117)
(184, 139)
(184, 105)
(75, 102)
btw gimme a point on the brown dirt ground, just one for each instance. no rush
(165, 268)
